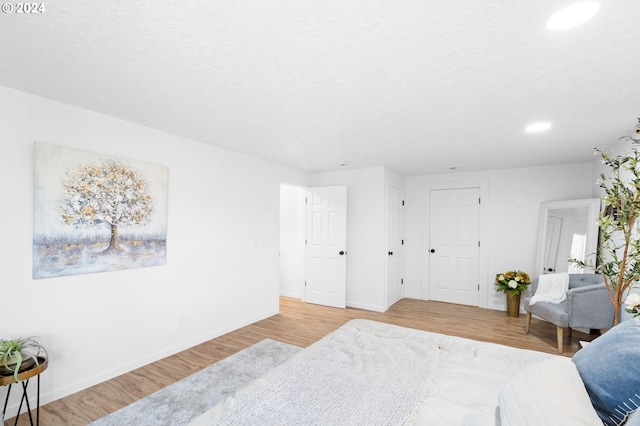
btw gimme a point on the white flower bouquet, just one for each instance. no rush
(515, 281)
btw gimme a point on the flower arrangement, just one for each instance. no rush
(633, 301)
(515, 281)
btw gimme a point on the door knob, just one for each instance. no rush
(341, 253)
(433, 250)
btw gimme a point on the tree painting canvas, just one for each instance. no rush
(96, 213)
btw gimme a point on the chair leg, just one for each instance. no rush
(560, 332)
(528, 326)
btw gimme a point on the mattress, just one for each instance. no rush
(462, 380)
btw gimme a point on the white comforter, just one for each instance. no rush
(463, 389)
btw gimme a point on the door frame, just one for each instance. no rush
(483, 186)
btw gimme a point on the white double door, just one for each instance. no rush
(454, 245)
(326, 246)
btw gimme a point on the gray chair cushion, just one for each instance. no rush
(555, 313)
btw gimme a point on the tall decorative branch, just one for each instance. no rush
(618, 255)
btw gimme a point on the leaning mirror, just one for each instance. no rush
(567, 229)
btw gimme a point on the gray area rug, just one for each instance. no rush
(181, 402)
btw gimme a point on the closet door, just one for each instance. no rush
(454, 245)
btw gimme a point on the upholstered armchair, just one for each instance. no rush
(587, 306)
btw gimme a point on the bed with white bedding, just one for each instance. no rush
(368, 373)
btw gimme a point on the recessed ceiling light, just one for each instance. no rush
(572, 15)
(538, 127)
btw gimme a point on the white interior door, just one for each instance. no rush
(394, 245)
(326, 246)
(552, 240)
(454, 241)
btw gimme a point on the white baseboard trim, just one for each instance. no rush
(414, 296)
(48, 397)
(366, 307)
(291, 294)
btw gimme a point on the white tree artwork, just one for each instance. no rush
(95, 213)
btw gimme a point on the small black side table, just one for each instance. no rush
(23, 378)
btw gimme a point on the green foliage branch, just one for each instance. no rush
(618, 254)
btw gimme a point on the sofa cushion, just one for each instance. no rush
(610, 369)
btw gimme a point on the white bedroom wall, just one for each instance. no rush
(509, 231)
(222, 249)
(366, 254)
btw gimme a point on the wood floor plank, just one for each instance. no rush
(300, 324)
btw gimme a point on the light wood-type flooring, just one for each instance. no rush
(299, 324)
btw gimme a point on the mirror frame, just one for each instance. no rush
(593, 230)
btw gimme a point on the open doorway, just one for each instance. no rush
(292, 235)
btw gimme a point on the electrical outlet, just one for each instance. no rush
(182, 322)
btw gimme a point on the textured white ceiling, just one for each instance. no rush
(417, 86)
